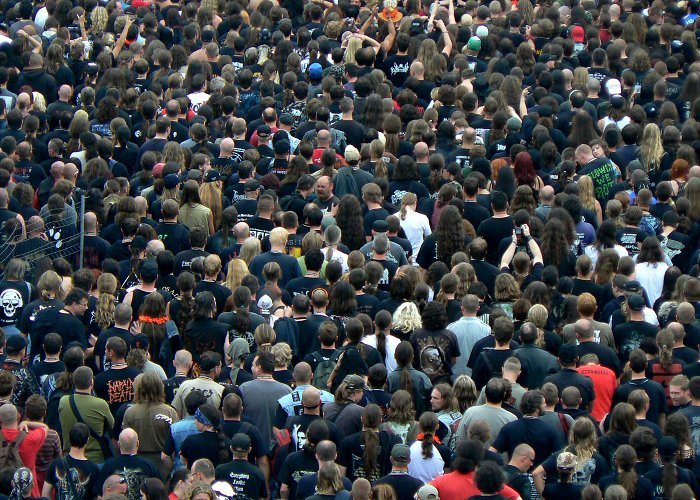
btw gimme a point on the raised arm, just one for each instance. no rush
(389, 40)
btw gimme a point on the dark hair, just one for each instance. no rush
(404, 359)
(78, 435)
(469, 453)
(428, 423)
(266, 361)
(213, 414)
(489, 478)
(154, 489)
(371, 418)
(434, 316)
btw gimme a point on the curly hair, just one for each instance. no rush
(449, 234)
(434, 316)
(350, 221)
(407, 318)
(554, 244)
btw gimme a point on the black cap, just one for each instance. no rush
(264, 131)
(171, 181)
(632, 286)
(240, 442)
(140, 342)
(138, 243)
(380, 226)
(149, 270)
(212, 175)
(636, 302)
(668, 446)
(568, 353)
(251, 185)
(14, 344)
(617, 102)
(286, 119)
(281, 147)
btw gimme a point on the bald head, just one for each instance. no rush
(8, 416)
(421, 151)
(57, 170)
(547, 194)
(172, 108)
(311, 397)
(70, 172)
(65, 93)
(584, 329)
(241, 231)
(302, 373)
(226, 147)
(154, 247)
(114, 484)
(141, 205)
(523, 450)
(677, 330)
(326, 451)
(685, 313)
(323, 138)
(23, 100)
(183, 360)
(90, 222)
(128, 442)
(694, 171)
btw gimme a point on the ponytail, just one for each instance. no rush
(381, 169)
(381, 344)
(669, 476)
(428, 423)
(371, 418)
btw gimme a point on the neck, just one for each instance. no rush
(78, 453)
(638, 376)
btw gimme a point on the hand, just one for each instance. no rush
(526, 92)
(515, 238)
(92, 340)
(440, 25)
(135, 327)
(23, 427)
(375, 11)
(526, 229)
(81, 18)
(21, 33)
(334, 209)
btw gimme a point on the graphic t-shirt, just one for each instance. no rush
(77, 484)
(116, 386)
(351, 452)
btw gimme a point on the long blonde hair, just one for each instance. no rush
(432, 60)
(651, 148)
(106, 303)
(583, 436)
(210, 196)
(585, 192)
(376, 149)
(538, 315)
(407, 200)
(250, 248)
(237, 269)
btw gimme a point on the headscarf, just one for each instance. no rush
(22, 483)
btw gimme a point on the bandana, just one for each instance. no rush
(201, 418)
(24, 482)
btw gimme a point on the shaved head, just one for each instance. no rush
(90, 221)
(226, 146)
(311, 397)
(65, 92)
(302, 373)
(128, 441)
(8, 415)
(141, 204)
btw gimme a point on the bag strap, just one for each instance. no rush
(79, 418)
(341, 410)
(18, 440)
(564, 424)
(69, 477)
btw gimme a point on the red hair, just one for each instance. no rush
(524, 169)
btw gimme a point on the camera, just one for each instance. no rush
(518, 231)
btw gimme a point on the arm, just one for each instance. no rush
(284, 492)
(533, 246)
(538, 477)
(451, 13)
(445, 36)
(211, 223)
(389, 40)
(369, 21)
(119, 44)
(83, 33)
(508, 254)
(264, 464)
(523, 105)
(47, 490)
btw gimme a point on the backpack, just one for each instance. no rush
(281, 448)
(323, 370)
(9, 454)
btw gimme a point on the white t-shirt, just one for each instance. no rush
(391, 344)
(651, 277)
(417, 227)
(425, 469)
(593, 253)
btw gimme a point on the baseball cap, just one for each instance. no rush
(380, 226)
(223, 490)
(281, 147)
(264, 131)
(578, 34)
(138, 243)
(636, 302)
(265, 305)
(427, 492)
(140, 342)
(286, 119)
(14, 344)
(212, 175)
(401, 453)
(632, 286)
(474, 44)
(482, 31)
(513, 124)
(566, 460)
(352, 154)
(568, 353)
(617, 102)
(251, 185)
(613, 86)
(149, 270)
(668, 446)
(315, 71)
(240, 442)
(171, 181)
(354, 382)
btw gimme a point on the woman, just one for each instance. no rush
(210, 194)
(199, 490)
(564, 487)
(350, 221)
(678, 427)
(589, 465)
(209, 442)
(332, 237)
(651, 152)
(180, 309)
(665, 478)
(651, 267)
(465, 392)
(549, 341)
(556, 250)
(304, 461)
(588, 199)
(506, 292)
(367, 453)
(637, 487)
(382, 340)
(203, 333)
(163, 336)
(401, 417)
(665, 365)
(415, 225)
(107, 287)
(429, 457)
(407, 378)
(436, 348)
(178, 484)
(49, 287)
(605, 238)
(16, 294)
(447, 297)
(239, 321)
(249, 250)
(344, 411)
(679, 176)
(153, 489)
(329, 483)
(524, 171)
(282, 354)
(405, 320)
(622, 423)
(192, 212)
(449, 238)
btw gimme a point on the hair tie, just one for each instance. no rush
(201, 418)
(265, 344)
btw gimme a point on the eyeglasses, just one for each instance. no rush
(111, 485)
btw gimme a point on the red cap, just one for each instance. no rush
(577, 34)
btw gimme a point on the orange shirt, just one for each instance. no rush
(604, 384)
(458, 486)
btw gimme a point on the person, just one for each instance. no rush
(209, 365)
(517, 470)
(429, 457)
(303, 462)
(27, 437)
(329, 483)
(82, 406)
(26, 383)
(492, 412)
(210, 442)
(625, 475)
(535, 362)
(568, 376)
(247, 479)
(564, 488)
(326, 452)
(468, 330)
(490, 363)
(115, 384)
(405, 485)
(73, 471)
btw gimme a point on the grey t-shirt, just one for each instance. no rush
(348, 422)
(496, 418)
(260, 402)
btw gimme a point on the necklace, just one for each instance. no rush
(117, 365)
(50, 359)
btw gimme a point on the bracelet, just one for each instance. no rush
(528, 238)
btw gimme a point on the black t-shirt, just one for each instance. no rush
(630, 238)
(100, 345)
(657, 396)
(14, 295)
(305, 285)
(567, 377)
(175, 236)
(387, 276)
(247, 479)
(629, 335)
(493, 230)
(489, 364)
(260, 227)
(30, 311)
(404, 484)
(220, 293)
(172, 385)
(397, 68)
(137, 469)
(116, 386)
(367, 304)
(569, 491)
(296, 466)
(374, 215)
(532, 431)
(643, 491)
(258, 447)
(83, 472)
(351, 452)
(183, 260)
(43, 369)
(434, 352)
(204, 335)
(202, 445)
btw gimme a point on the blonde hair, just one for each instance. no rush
(282, 354)
(585, 184)
(210, 196)
(236, 270)
(538, 315)
(376, 149)
(264, 337)
(249, 249)
(407, 200)
(278, 236)
(651, 148)
(106, 303)
(49, 285)
(407, 318)
(467, 277)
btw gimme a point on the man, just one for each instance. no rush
(326, 452)
(518, 471)
(536, 363)
(157, 144)
(585, 335)
(497, 227)
(485, 272)
(95, 247)
(568, 358)
(297, 425)
(247, 479)
(530, 430)
(680, 393)
(325, 199)
(261, 396)
(75, 460)
(83, 407)
(122, 323)
(468, 329)
(640, 402)
(66, 321)
(396, 253)
(53, 345)
(183, 364)
(492, 412)
(175, 236)
(629, 335)
(37, 78)
(26, 385)
(180, 430)
(288, 264)
(232, 424)
(686, 354)
(28, 438)
(210, 283)
(210, 367)
(127, 464)
(587, 307)
(604, 384)
(183, 260)
(116, 384)
(292, 404)
(404, 485)
(601, 170)
(657, 397)
(692, 413)
(511, 372)
(354, 131)
(489, 363)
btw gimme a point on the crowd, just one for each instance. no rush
(415, 250)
